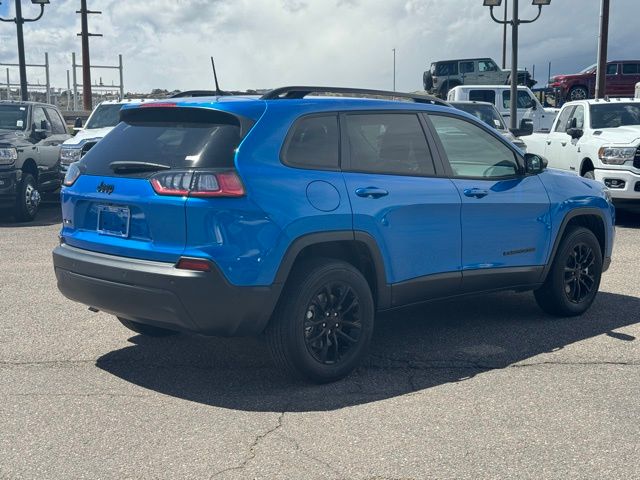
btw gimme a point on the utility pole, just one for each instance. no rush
(603, 42)
(394, 69)
(87, 99)
(504, 36)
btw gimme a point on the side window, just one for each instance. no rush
(447, 68)
(57, 125)
(524, 99)
(473, 152)
(40, 119)
(313, 143)
(577, 118)
(482, 96)
(391, 143)
(563, 120)
(486, 66)
(466, 67)
(630, 68)
(612, 69)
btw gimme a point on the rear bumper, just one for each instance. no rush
(157, 293)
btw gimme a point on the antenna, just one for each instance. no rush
(215, 78)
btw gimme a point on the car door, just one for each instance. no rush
(557, 140)
(468, 72)
(505, 213)
(47, 149)
(570, 149)
(630, 76)
(397, 196)
(488, 72)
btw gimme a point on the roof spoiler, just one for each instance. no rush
(297, 92)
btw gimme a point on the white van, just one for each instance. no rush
(529, 107)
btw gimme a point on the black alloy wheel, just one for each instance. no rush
(579, 274)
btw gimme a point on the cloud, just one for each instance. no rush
(267, 43)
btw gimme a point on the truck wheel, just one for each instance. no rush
(574, 278)
(148, 330)
(590, 175)
(323, 324)
(28, 199)
(427, 81)
(578, 93)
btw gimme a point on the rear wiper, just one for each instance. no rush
(137, 166)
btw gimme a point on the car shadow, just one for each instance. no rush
(413, 349)
(49, 214)
(629, 218)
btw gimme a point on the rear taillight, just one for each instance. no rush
(196, 264)
(198, 184)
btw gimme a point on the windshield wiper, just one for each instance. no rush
(137, 166)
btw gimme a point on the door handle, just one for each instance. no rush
(476, 192)
(564, 144)
(371, 192)
(548, 142)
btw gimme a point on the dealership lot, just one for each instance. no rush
(485, 387)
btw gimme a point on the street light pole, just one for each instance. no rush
(394, 69)
(515, 23)
(19, 21)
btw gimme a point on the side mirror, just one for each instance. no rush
(77, 123)
(533, 106)
(575, 133)
(38, 133)
(534, 164)
(526, 128)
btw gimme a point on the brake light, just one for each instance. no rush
(73, 172)
(197, 264)
(159, 105)
(202, 184)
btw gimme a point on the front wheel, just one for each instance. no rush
(28, 199)
(323, 324)
(574, 278)
(590, 175)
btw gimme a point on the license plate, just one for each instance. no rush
(113, 221)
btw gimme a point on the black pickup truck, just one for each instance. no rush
(30, 137)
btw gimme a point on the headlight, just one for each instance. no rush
(8, 156)
(72, 175)
(616, 155)
(70, 155)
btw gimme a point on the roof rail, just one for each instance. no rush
(297, 92)
(199, 93)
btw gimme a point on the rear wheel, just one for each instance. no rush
(578, 93)
(28, 199)
(574, 278)
(324, 321)
(148, 330)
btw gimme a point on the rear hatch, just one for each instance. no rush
(127, 195)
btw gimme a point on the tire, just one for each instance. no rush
(28, 199)
(574, 278)
(427, 81)
(147, 330)
(590, 175)
(305, 346)
(578, 93)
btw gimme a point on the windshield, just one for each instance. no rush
(13, 117)
(589, 69)
(612, 115)
(486, 113)
(104, 116)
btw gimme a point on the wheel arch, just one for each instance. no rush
(584, 166)
(357, 248)
(30, 166)
(590, 218)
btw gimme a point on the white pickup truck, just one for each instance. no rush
(598, 139)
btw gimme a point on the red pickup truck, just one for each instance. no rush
(622, 76)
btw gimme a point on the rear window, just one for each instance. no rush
(176, 137)
(482, 96)
(444, 69)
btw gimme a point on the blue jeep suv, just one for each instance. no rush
(301, 215)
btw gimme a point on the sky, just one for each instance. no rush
(269, 43)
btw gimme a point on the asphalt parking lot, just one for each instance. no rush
(486, 387)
